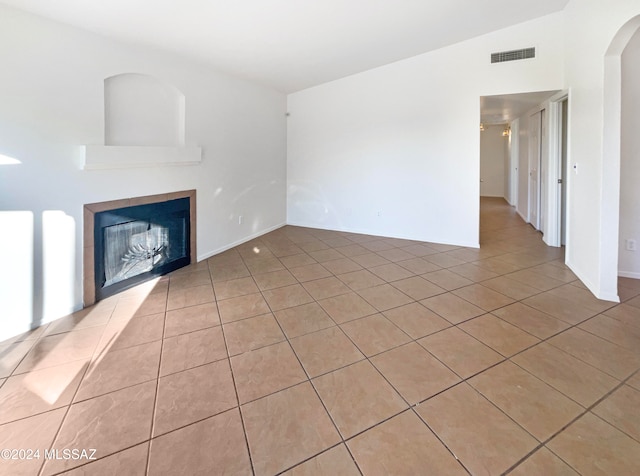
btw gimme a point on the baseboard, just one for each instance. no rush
(522, 216)
(591, 286)
(239, 242)
(377, 233)
(629, 274)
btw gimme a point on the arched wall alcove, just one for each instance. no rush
(142, 110)
(144, 125)
(612, 146)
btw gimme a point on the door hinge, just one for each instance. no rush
(559, 180)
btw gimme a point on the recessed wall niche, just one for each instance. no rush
(144, 125)
(142, 110)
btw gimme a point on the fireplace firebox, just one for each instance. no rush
(137, 243)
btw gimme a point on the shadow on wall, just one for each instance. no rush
(37, 275)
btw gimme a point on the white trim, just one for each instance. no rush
(629, 274)
(239, 242)
(100, 157)
(595, 290)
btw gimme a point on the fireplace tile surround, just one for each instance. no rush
(90, 209)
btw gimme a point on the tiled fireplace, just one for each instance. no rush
(131, 240)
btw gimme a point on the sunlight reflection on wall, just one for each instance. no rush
(58, 255)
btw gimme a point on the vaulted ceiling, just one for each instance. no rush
(292, 44)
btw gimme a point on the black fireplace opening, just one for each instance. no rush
(135, 244)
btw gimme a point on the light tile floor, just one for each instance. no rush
(314, 352)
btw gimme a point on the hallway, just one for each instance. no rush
(317, 352)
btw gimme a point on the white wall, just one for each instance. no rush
(493, 161)
(403, 139)
(592, 247)
(51, 103)
(629, 261)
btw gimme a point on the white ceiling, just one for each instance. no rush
(292, 44)
(507, 107)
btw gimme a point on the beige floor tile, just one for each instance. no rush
(34, 433)
(403, 445)
(419, 249)
(535, 280)
(559, 308)
(295, 261)
(416, 320)
(610, 358)
(253, 333)
(60, 349)
(191, 350)
(374, 334)
(444, 260)
(143, 305)
(614, 331)
(626, 314)
(109, 423)
(242, 307)
(309, 272)
(40, 391)
(414, 372)
(139, 330)
(391, 272)
(510, 287)
(266, 370)
(346, 307)
(555, 272)
(418, 288)
(132, 461)
(322, 256)
(191, 395)
(634, 381)
(369, 260)
(11, 354)
(326, 287)
(460, 352)
(189, 449)
(483, 297)
(191, 319)
(190, 297)
(336, 461)
(534, 405)
(395, 255)
(498, 334)
(447, 279)
(484, 439)
(452, 308)
(119, 369)
(352, 250)
(275, 279)
(286, 428)
(418, 265)
(574, 378)
(592, 446)
(543, 462)
(531, 320)
(83, 319)
(288, 296)
(384, 297)
(341, 266)
(300, 320)
(582, 297)
(357, 397)
(189, 280)
(621, 410)
(264, 265)
(234, 288)
(357, 280)
(473, 272)
(325, 350)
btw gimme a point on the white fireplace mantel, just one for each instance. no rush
(99, 157)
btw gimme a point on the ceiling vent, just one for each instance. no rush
(513, 55)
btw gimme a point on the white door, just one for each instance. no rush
(534, 169)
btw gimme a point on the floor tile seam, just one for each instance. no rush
(587, 410)
(411, 339)
(13, 371)
(496, 350)
(192, 305)
(157, 389)
(173, 336)
(442, 442)
(601, 337)
(239, 407)
(326, 450)
(161, 376)
(626, 324)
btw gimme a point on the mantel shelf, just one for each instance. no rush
(98, 157)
